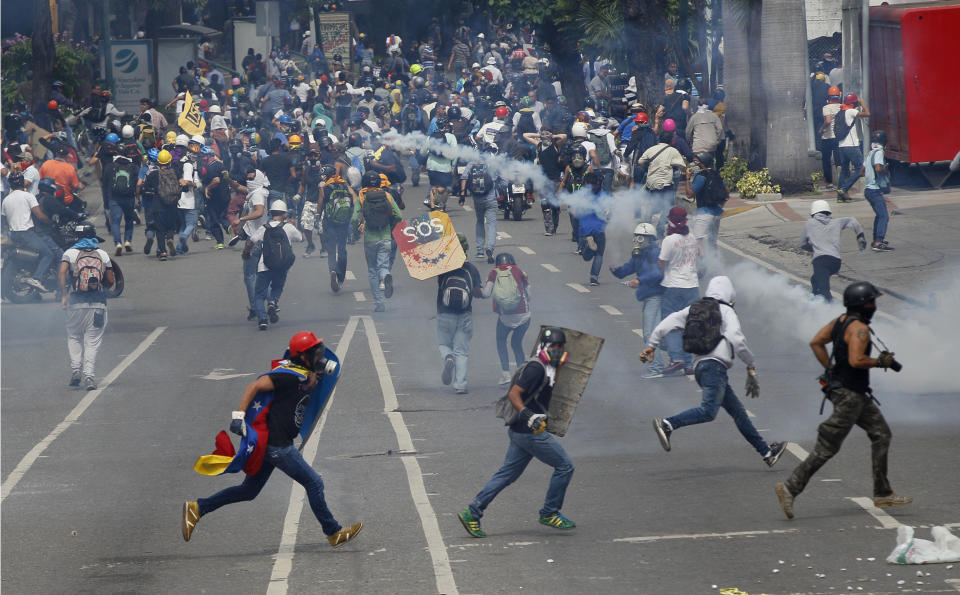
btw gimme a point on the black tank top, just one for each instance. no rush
(855, 379)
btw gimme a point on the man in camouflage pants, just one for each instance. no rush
(848, 388)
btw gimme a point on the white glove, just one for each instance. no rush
(297, 196)
(237, 426)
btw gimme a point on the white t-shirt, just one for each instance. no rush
(257, 197)
(31, 176)
(16, 208)
(187, 199)
(853, 138)
(831, 110)
(293, 234)
(680, 253)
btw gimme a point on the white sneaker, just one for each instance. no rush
(119, 249)
(505, 377)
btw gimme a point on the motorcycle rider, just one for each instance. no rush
(19, 208)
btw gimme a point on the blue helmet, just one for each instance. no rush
(285, 119)
(152, 153)
(112, 138)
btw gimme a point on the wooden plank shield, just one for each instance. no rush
(582, 352)
(428, 245)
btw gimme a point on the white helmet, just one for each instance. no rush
(196, 138)
(215, 109)
(181, 140)
(126, 131)
(279, 206)
(644, 229)
(578, 130)
(819, 206)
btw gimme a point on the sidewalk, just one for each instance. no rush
(924, 229)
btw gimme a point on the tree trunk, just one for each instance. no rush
(564, 50)
(757, 154)
(43, 56)
(736, 82)
(784, 72)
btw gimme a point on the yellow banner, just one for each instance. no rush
(191, 120)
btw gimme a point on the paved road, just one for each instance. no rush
(95, 508)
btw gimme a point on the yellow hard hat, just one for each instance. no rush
(170, 137)
(295, 141)
(416, 69)
(164, 157)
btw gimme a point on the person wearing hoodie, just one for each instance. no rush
(254, 217)
(643, 263)
(714, 318)
(320, 115)
(821, 235)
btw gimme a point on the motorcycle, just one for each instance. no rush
(518, 198)
(19, 262)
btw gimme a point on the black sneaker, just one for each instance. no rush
(489, 256)
(446, 376)
(148, 246)
(594, 281)
(89, 383)
(334, 282)
(262, 325)
(251, 314)
(881, 247)
(75, 378)
(273, 312)
(776, 449)
(663, 432)
(388, 286)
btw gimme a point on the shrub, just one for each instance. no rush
(733, 170)
(756, 182)
(71, 65)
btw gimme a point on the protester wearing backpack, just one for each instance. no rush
(336, 206)
(85, 274)
(508, 286)
(659, 162)
(123, 173)
(846, 127)
(254, 216)
(276, 259)
(711, 330)
(601, 148)
(163, 183)
(189, 182)
(455, 292)
(374, 215)
(478, 179)
(711, 193)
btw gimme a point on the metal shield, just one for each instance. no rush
(318, 399)
(428, 245)
(572, 377)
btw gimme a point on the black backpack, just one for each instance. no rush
(713, 193)
(840, 127)
(480, 181)
(98, 111)
(455, 291)
(525, 123)
(377, 213)
(123, 178)
(277, 251)
(704, 328)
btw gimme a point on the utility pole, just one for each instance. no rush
(865, 88)
(107, 54)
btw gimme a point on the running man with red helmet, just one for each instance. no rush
(851, 152)
(290, 385)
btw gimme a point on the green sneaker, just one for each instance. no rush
(557, 521)
(471, 523)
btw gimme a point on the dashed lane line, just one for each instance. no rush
(37, 451)
(502, 235)
(349, 276)
(283, 563)
(358, 295)
(550, 267)
(638, 331)
(886, 521)
(611, 310)
(525, 250)
(578, 288)
(467, 208)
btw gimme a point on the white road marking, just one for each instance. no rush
(349, 276)
(283, 563)
(358, 295)
(828, 480)
(220, 374)
(550, 267)
(502, 235)
(428, 517)
(578, 288)
(954, 582)
(797, 451)
(749, 413)
(467, 208)
(611, 310)
(639, 331)
(31, 457)
(525, 250)
(702, 535)
(887, 521)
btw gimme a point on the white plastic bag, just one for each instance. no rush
(945, 547)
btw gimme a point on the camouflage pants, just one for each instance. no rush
(849, 409)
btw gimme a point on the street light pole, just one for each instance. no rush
(865, 68)
(107, 58)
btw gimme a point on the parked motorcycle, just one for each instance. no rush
(518, 198)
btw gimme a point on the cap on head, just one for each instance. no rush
(819, 206)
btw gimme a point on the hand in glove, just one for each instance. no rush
(753, 385)
(862, 241)
(885, 360)
(245, 255)
(535, 421)
(237, 426)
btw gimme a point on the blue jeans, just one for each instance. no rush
(146, 201)
(336, 240)
(378, 266)
(851, 160)
(676, 299)
(711, 375)
(586, 253)
(43, 245)
(189, 223)
(516, 342)
(523, 448)
(250, 274)
(289, 460)
(652, 316)
(879, 204)
(454, 332)
(486, 211)
(121, 208)
(268, 288)
(662, 201)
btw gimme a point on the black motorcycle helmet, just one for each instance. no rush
(553, 334)
(47, 187)
(505, 258)
(355, 140)
(859, 293)
(16, 181)
(879, 137)
(370, 179)
(327, 171)
(453, 112)
(87, 230)
(705, 158)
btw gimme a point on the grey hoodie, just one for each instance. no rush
(734, 342)
(822, 232)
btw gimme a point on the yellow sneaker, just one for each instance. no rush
(891, 500)
(191, 515)
(344, 535)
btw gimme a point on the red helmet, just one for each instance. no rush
(501, 112)
(52, 104)
(641, 118)
(851, 98)
(302, 342)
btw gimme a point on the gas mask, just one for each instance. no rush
(865, 312)
(577, 161)
(552, 354)
(319, 362)
(640, 242)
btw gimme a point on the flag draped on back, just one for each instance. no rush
(248, 457)
(191, 120)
